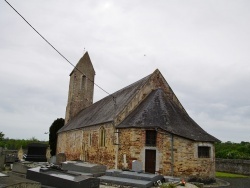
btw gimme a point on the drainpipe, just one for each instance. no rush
(116, 149)
(172, 155)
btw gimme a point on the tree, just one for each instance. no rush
(56, 125)
(1, 136)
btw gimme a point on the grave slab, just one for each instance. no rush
(61, 179)
(17, 182)
(126, 181)
(84, 167)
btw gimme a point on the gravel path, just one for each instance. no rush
(237, 182)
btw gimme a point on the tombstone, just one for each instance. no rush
(36, 152)
(60, 158)
(137, 166)
(20, 169)
(10, 156)
(53, 160)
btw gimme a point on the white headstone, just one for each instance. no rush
(137, 166)
(53, 160)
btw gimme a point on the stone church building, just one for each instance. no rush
(144, 121)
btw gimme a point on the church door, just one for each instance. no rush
(150, 158)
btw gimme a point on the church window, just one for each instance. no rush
(151, 138)
(102, 137)
(83, 82)
(90, 139)
(204, 151)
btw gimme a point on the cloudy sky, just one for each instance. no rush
(201, 48)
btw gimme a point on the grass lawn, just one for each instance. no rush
(229, 175)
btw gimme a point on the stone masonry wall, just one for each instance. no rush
(233, 166)
(83, 144)
(81, 89)
(186, 161)
(185, 156)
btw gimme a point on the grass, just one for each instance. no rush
(229, 175)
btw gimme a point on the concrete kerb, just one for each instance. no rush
(219, 183)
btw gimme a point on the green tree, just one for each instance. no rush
(230, 150)
(56, 125)
(1, 136)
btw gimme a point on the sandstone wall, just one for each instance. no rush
(81, 89)
(185, 154)
(187, 162)
(233, 166)
(83, 144)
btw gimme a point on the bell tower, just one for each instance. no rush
(81, 87)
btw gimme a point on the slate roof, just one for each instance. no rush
(103, 110)
(156, 111)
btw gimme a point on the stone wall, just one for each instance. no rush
(81, 89)
(233, 166)
(186, 162)
(84, 144)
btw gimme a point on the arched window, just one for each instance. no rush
(102, 137)
(83, 82)
(90, 139)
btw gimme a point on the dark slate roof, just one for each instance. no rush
(103, 110)
(157, 111)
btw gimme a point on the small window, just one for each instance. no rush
(203, 152)
(83, 82)
(151, 138)
(102, 137)
(90, 139)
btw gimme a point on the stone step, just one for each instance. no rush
(126, 181)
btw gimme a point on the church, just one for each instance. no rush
(144, 121)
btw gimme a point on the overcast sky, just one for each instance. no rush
(201, 48)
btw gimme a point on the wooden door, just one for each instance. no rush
(150, 159)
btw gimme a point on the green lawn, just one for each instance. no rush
(229, 175)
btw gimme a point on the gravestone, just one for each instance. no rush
(10, 156)
(137, 166)
(36, 152)
(60, 158)
(53, 160)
